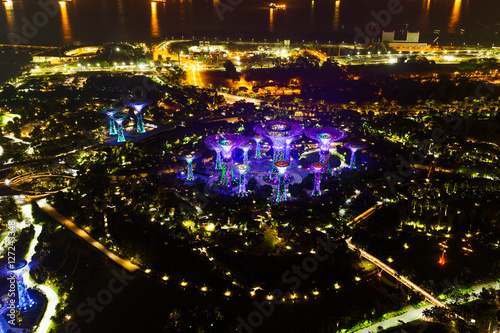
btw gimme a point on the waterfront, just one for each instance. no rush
(128, 20)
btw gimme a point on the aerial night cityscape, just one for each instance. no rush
(300, 166)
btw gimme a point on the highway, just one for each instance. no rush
(191, 66)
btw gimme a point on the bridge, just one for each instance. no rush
(27, 47)
(395, 274)
(365, 215)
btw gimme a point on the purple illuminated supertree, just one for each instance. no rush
(242, 170)
(119, 119)
(325, 136)
(258, 139)
(317, 167)
(281, 133)
(354, 147)
(281, 194)
(24, 301)
(112, 126)
(227, 142)
(138, 106)
(189, 159)
(246, 147)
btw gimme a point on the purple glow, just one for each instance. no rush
(317, 167)
(354, 147)
(279, 132)
(242, 169)
(138, 106)
(281, 194)
(325, 136)
(258, 140)
(225, 143)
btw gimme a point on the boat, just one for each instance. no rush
(272, 5)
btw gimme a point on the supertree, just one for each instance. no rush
(281, 194)
(325, 136)
(354, 147)
(24, 301)
(258, 139)
(138, 106)
(227, 142)
(281, 133)
(119, 119)
(245, 147)
(189, 159)
(242, 169)
(317, 167)
(112, 126)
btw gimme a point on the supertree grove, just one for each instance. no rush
(227, 142)
(354, 147)
(119, 122)
(325, 136)
(242, 169)
(281, 193)
(317, 167)
(281, 133)
(189, 159)
(138, 107)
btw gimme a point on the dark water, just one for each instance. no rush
(141, 20)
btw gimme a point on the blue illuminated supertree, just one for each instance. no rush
(119, 119)
(138, 106)
(325, 136)
(281, 133)
(354, 147)
(281, 194)
(245, 147)
(24, 301)
(242, 169)
(258, 139)
(112, 126)
(189, 159)
(227, 142)
(317, 167)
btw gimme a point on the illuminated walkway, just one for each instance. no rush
(86, 237)
(50, 294)
(416, 314)
(395, 274)
(365, 215)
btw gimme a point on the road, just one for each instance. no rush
(86, 237)
(193, 72)
(191, 66)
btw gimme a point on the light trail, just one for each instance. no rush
(365, 215)
(395, 274)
